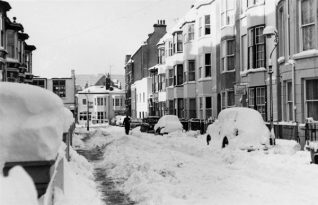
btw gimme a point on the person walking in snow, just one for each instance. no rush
(127, 124)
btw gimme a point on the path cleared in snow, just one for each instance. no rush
(181, 169)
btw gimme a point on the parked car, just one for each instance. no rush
(134, 122)
(167, 124)
(243, 128)
(148, 123)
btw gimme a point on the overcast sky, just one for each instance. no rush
(90, 36)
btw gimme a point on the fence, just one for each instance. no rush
(283, 131)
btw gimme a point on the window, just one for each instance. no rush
(256, 48)
(192, 108)
(84, 101)
(244, 52)
(170, 48)
(83, 116)
(200, 66)
(208, 65)
(207, 22)
(179, 69)
(201, 107)
(116, 101)
(230, 98)
(227, 12)
(200, 26)
(161, 56)
(257, 100)
(59, 87)
(38, 82)
(171, 107)
(11, 43)
(289, 101)
(180, 108)
(99, 101)
(191, 64)
(143, 97)
(208, 106)
(178, 44)
(100, 115)
(228, 55)
(243, 6)
(1, 31)
(312, 98)
(223, 100)
(307, 25)
(281, 31)
(190, 32)
(171, 77)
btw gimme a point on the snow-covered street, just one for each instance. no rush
(181, 169)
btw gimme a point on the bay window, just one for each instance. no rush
(207, 23)
(256, 48)
(190, 32)
(171, 77)
(179, 69)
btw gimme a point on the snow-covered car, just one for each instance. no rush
(242, 128)
(119, 120)
(167, 124)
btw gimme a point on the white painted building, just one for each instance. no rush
(142, 93)
(100, 104)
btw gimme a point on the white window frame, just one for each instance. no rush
(225, 56)
(207, 25)
(305, 99)
(314, 24)
(226, 12)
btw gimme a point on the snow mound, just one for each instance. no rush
(17, 188)
(32, 122)
(136, 132)
(168, 123)
(288, 147)
(243, 128)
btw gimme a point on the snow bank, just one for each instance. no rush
(79, 185)
(17, 188)
(289, 147)
(243, 128)
(32, 121)
(168, 123)
(136, 131)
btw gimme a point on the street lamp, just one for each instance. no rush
(269, 32)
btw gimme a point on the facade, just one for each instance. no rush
(15, 53)
(140, 98)
(298, 59)
(99, 105)
(217, 56)
(63, 87)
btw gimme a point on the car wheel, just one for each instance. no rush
(225, 142)
(158, 131)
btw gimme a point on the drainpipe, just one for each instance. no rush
(294, 89)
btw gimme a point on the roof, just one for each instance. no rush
(5, 5)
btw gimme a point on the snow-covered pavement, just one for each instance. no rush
(181, 169)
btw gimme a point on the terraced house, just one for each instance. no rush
(218, 56)
(15, 53)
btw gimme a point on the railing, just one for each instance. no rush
(68, 140)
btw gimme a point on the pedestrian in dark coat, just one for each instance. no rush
(127, 124)
(208, 139)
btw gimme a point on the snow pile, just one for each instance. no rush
(32, 121)
(242, 127)
(156, 169)
(17, 188)
(79, 185)
(313, 145)
(136, 132)
(168, 123)
(288, 147)
(78, 141)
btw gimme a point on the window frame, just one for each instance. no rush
(252, 47)
(59, 89)
(207, 25)
(226, 13)
(225, 56)
(191, 72)
(309, 100)
(208, 64)
(314, 24)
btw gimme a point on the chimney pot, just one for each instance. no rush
(158, 21)
(164, 22)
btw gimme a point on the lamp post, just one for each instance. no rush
(268, 32)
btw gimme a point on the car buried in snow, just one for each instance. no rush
(148, 123)
(242, 128)
(168, 124)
